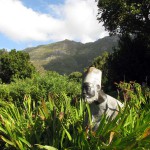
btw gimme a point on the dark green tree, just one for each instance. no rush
(125, 16)
(76, 76)
(130, 19)
(2, 51)
(15, 64)
(130, 61)
(100, 62)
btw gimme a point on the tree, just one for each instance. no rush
(125, 16)
(76, 76)
(2, 51)
(130, 61)
(100, 63)
(131, 19)
(15, 64)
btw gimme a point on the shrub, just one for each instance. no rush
(39, 87)
(56, 124)
(76, 76)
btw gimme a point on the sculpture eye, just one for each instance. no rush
(98, 87)
(87, 86)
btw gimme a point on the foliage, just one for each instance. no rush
(56, 124)
(76, 76)
(130, 61)
(3, 51)
(100, 63)
(15, 64)
(39, 87)
(125, 16)
(68, 56)
(132, 92)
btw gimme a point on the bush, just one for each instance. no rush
(39, 87)
(76, 76)
(56, 124)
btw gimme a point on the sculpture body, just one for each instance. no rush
(99, 102)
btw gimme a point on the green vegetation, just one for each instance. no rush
(125, 16)
(39, 87)
(100, 62)
(68, 56)
(130, 61)
(46, 111)
(76, 76)
(50, 116)
(130, 19)
(15, 64)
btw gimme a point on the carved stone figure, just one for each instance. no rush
(99, 102)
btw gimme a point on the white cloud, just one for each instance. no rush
(75, 19)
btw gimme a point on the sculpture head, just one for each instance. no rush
(91, 85)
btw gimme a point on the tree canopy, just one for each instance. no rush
(14, 64)
(129, 61)
(125, 16)
(100, 62)
(131, 20)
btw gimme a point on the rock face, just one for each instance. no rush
(69, 56)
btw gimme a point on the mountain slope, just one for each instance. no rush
(69, 56)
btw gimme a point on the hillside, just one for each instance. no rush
(69, 56)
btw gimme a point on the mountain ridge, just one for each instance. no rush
(69, 56)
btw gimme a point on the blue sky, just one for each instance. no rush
(28, 23)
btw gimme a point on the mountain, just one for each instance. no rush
(68, 56)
